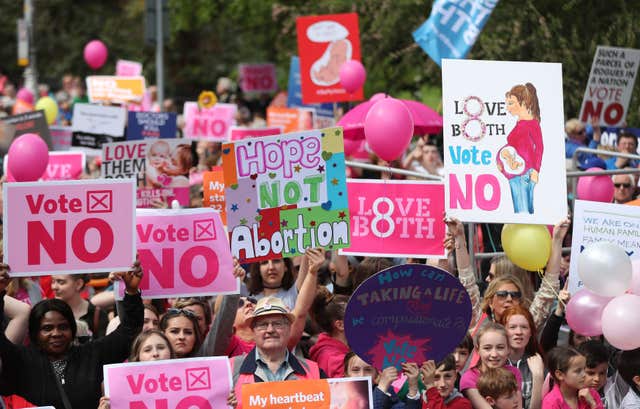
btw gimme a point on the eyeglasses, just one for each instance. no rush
(243, 301)
(181, 311)
(515, 295)
(277, 325)
(581, 131)
(623, 185)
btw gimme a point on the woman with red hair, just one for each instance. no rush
(525, 353)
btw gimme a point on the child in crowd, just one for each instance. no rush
(384, 396)
(493, 348)
(498, 386)
(567, 369)
(597, 357)
(440, 383)
(629, 369)
(461, 355)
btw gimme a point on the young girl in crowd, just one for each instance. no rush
(384, 397)
(567, 369)
(181, 328)
(151, 345)
(525, 353)
(492, 345)
(331, 347)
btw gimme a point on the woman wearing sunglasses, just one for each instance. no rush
(182, 329)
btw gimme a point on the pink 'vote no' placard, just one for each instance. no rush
(79, 226)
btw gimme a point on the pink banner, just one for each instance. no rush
(61, 166)
(184, 253)
(69, 226)
(126, 68)
(211, 124)
(396, 218)
(258, 77)
(176, 383)
(238, 133)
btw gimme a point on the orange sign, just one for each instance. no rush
(290, 119)
(213, 192)
(118, 90)
(304, 394)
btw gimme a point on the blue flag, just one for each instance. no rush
(453, 27)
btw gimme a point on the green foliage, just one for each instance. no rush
(209, 38)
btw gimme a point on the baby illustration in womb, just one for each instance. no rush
(158, 156)
(326, 70)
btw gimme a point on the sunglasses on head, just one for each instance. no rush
(243, 301)
(516, 295)
(180, 311)
(624, 185)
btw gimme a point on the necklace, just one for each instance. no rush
(58, 367)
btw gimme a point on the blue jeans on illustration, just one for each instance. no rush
(522, 192)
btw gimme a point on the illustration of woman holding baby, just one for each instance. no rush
(520, 159)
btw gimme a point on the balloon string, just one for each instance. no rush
(543, 278)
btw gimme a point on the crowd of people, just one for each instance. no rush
(288, 321)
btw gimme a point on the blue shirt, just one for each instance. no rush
(280, 374)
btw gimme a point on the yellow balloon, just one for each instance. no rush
(528, 246)
(50, 108)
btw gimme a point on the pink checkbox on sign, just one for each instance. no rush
(204, 230)
(99, 201)
(198, 379)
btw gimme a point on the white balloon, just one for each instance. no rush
(605, 269)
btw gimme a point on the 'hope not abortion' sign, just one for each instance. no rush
(285, 194)
(407, 313)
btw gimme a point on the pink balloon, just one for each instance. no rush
(378, 96)
(351, 146)
(28, 157)
(595, 188)
(620, 323)
(584, 312)
(352, 75)
(388, 128)
(25, 95)
(95, 54)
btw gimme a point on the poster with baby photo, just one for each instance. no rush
(324, 44)
(160, 166)
(503, 157)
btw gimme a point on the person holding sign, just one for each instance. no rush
(270, 360)
(520, 159)
(52, 370)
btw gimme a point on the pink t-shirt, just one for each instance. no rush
(238, 346)
(554, 400)
(470, 378)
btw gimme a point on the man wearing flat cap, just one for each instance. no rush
(270, 360)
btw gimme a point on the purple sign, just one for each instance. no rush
(407, 313)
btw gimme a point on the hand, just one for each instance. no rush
(159, 204)
(131, 278)
(411, 370)
(314, 259)
(449, 243)
(536, 366)
(585, 394)
(4, 276)
(428, 372)
(105, 403)
(238, 271)
(232, 400)
(455, 227)
(560, 229)
(563, 298)
(534, 176)
(387, 376)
